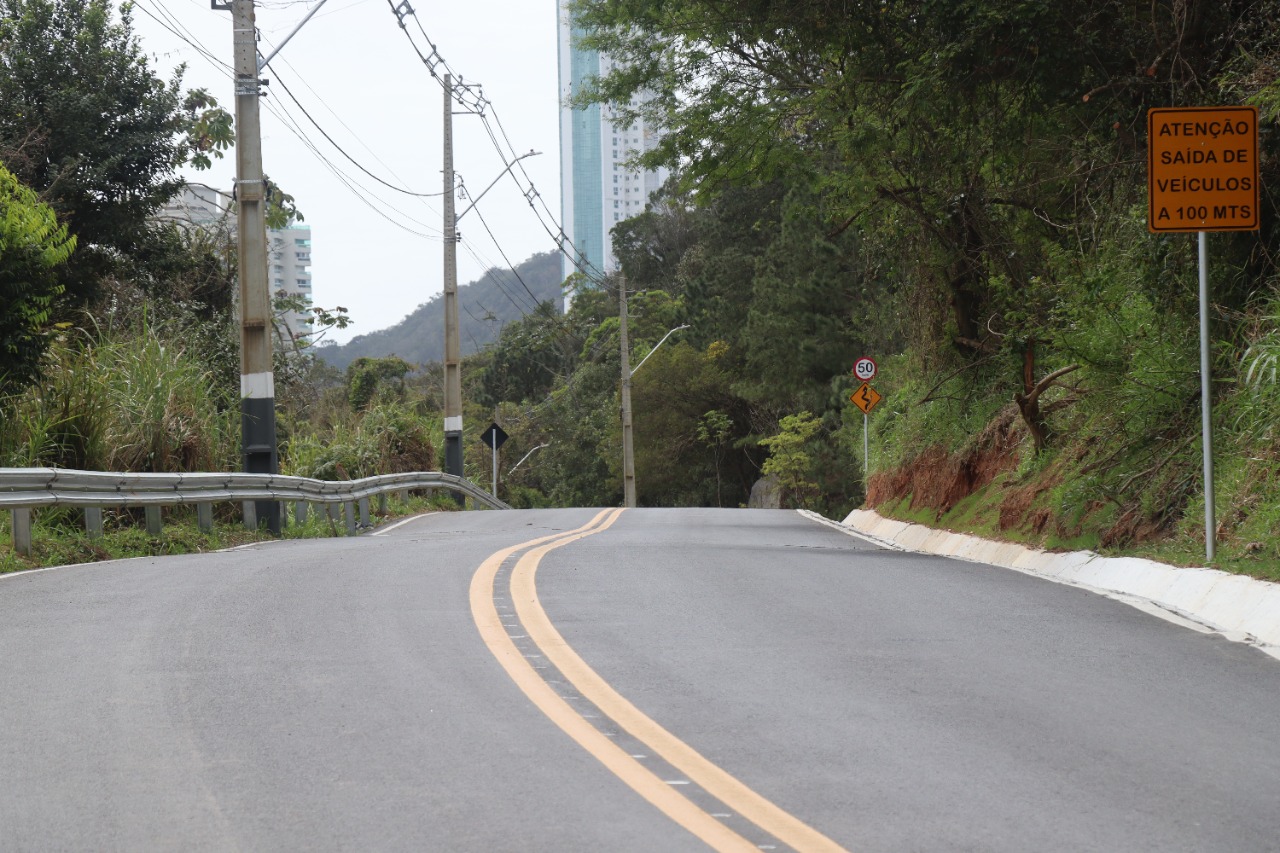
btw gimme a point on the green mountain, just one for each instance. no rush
(484, 307)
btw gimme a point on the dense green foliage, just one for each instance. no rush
(956, 188)
(135, 400)
(86, 123)
(32, 246)
(771, 304)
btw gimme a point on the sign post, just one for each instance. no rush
(865, 398)
(1202, 175)
(495, 437)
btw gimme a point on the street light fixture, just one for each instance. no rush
(501, 175)
(655, 348)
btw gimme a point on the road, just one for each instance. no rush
(585, 680)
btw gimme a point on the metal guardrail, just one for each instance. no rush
(25, 489)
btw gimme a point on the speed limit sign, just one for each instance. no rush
(865, 369)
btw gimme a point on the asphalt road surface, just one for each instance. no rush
(585, 680)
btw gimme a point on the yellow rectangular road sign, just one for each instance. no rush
(1202, 169)
(866, 398)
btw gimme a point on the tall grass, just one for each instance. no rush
(389, 438)
(120, 401)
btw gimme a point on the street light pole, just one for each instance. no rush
(628, 433)
(628, 449)
(476, 199)
(655, 347)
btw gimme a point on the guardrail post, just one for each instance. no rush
(403, 494)
(251, 515)
(21, 518)
(350, 511)
(93, 522)
(364, 512)
(382, 503)
(300, 512)
(154, 525)
(204, 517)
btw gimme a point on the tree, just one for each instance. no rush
(367, 377)
(32, 246)
(530, 356)
(963, 119)
(790, 459)
(86, 122)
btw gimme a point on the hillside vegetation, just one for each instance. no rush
(957, 189)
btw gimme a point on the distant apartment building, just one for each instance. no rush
(597, 189)
(288, 249)
(202, 206)
(289, 273)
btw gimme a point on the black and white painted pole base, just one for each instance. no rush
(453, 452)
(258, 443)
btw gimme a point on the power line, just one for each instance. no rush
(510, 266)
(475, 102)
(169, 23)
(337, 117)
(343, 151)
(363, 194)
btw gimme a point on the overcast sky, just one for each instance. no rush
(377, 252)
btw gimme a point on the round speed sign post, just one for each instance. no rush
(865, 398)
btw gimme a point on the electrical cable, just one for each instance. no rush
(169, 23)
(345, 126)
(343, 151)
(353, 186)
(363, 194)
(478, 104)
(510, 266)
(490, 272)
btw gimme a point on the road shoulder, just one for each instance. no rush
(1240, 608)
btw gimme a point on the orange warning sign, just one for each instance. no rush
(865, 398)
(1202, 169)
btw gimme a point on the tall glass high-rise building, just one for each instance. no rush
(597, 189)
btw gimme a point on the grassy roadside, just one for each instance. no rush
(59, 538)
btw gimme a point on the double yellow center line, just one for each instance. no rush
(728, 790)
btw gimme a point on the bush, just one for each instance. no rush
(388, 439)
(120, 402)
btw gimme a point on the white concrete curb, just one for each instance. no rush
(1240, 608)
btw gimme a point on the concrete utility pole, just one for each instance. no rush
(628, 449)
(257, 381)
(452, 345)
